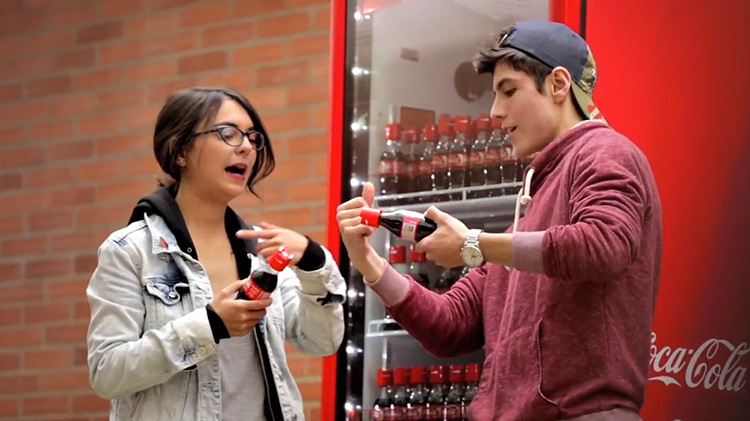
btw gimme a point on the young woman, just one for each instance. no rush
(167, 338)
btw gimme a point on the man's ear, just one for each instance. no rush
(560, 81)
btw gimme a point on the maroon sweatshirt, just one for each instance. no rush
(566, 332)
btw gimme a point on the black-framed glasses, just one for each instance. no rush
(233, 136)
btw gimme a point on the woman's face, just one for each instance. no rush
(219, 162)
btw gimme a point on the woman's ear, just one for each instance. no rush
(560, 81)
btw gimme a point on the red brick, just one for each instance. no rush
(257, 7)
(10, 271)
(24, 246)
(45, 405)
(309, 46)
(258, 54)
(140, 165)
(148, 72)
(24, 67)
(81, 309)
(50, 220)
(290, 169)
(10, 316)
(67, 289)
(71, 380)
(9, 361)
(159, 93)
(319, 116)
(282, 74)
(289, 218)
(100, 124)
(204, 14)
(17, 158)
(49, 41)
(73, 16)
(47, 313)
(231, 33)
(71, 150)
(79, 241)
(26, 23)
(295, 4)
(49, 4)
(45, 132)
(122, 144)
(308, 143)
(80, 356)
(85, 264)
(9, 7)
(66, 334)
(12, 136)
(18, 113)
(319, 165)
(131, 50)
(309, 93)
(90, 403)
(269, 98)
(76, 104)
(202, 62)
(16, 384)
(20, 337)
(11, 225)
(10, 408)
(124, 190)
(95, 79)
(48, 358)
(49, 86)
(47, 268)
(72, 196)
(99, 170)
(69, 60)
(22, 202)
(98, 32)
(118, 8)
(241, 80)
(10, 47)
(306, 191)
(47, 177)
(10, 181)
(170, 4)
(122, 98)
(143, 118)
(277, 123)
(310, 390)
(109, 214)
(284, 25)
(153, 23)
(10, 92)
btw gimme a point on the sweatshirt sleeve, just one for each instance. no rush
(608, 202)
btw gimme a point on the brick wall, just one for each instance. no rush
(81, 82)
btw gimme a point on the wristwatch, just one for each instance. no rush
(470, 252)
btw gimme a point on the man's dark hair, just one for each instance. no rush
(488, 56)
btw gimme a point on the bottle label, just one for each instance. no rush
(409, 225)
(477, 159)
(457, 160)
(411, 169)
(390, 167)
(439, 162)
(424, 168)
(415, 412)
(394, 414)
(494, 156)
(507, 154)
(253, 291)
(453, 412)
(433, 412)
(377, 414)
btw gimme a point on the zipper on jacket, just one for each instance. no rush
(271, 394)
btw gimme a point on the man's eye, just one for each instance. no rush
(510, 92)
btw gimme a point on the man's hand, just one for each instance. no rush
(275, 237)
(355, 235)
(444, 245)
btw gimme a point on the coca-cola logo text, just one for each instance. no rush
(714, 364)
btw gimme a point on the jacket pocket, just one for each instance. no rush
(166, 299)
(513, 379)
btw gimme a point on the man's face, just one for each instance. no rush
(529, 116)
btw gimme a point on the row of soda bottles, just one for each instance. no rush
(457, 152)
(414, 393)
(417, 268)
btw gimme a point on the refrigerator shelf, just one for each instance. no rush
(384, 328)
(466, 193)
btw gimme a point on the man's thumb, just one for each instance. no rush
(433, 213)
(368, 193)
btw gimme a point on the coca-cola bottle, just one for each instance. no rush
(447, 132)
(417, 269)
(408, 225)
(424, 167)
(397, 259)
(411, 161)
(382, 404)
(472, 385)
(458, 156)
(455, 394)
(391, 166)
(400, 401)
(419, 391)
(494, 157)
(436, 399)
(478, 158)
(263, 280)
(444, 282)
(508, 161)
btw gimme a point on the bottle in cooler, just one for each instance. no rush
(391, 170)
(455, 394)
(478, 158)
(419, 391)
(458, 156)
(383, 403)
(424, 177)
(447, 132)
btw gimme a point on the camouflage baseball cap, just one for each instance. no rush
(555, 44)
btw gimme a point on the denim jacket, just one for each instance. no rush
(150, 345)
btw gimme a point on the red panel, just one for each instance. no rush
(567, 12)
(335, 133)
(674, 80)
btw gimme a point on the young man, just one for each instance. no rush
(563, 302)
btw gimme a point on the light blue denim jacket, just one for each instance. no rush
(150, 345)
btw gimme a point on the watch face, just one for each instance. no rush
(472, 256)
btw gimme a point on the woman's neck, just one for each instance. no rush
(202, 215)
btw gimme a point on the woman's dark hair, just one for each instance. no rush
(179, 119)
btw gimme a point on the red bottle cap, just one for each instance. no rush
(483, 122)
(497, 123)
(393, 131)
(385, 377)
(419, 375)
(410, 135)
(370, 217)
(457, 373)
(472, 372)
(463, 123)
(397, 254)
(401, 376)
(280, 259)
(447, 126)
(429, 133)
(437, 374)
(416, 256)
